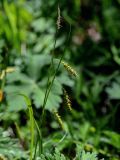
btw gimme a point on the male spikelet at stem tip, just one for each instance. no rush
(67, 99)
(69, 69)
(58, 117)
(59, 19)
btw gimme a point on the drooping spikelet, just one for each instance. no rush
(7, 70)
(1, 95)
(59, 19)
(58, 117)
(88, 147)
(69, 69)
(67, 99)
(2, 157)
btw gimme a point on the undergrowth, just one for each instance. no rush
(48, 110)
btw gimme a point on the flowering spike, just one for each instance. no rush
(59, 119)
(69, 69)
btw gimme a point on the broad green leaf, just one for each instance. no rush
(113, 138)
(32, 83)
(35, 64)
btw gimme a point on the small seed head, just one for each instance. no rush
(70, 69)
(58, 117)
(67, 99)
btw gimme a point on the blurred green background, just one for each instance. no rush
(27, 35)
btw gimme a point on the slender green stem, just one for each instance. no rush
(50, 69)
(28, 102)
(49, 88)
(32, 132)
(40, 137)
(34, 157)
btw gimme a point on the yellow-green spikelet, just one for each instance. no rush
(2, 157)
(58, 117)
(67, 99)
(69, 69)
(1, 95)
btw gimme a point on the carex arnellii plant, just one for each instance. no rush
(52, 73)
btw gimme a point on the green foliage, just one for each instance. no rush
(85, 156)
(113, 139)
(32, 83)
(113, 90)
(10, 147)
(55, 156)
(28, 27)
(81, 155)
(13, 22)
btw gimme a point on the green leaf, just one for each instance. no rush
(32, 83)
(10, 147)
(35, 63)
(15, 101)
(113, 138)
(54, 98)
(82, 155)
(114, 91)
